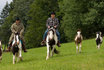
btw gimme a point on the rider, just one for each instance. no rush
(17, 27)
(52, 21)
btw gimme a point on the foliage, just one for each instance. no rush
(86, 15)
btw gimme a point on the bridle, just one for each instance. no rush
(51, 29)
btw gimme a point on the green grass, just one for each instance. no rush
(90, 58)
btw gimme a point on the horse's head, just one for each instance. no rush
(79, 33)
(16, 39)
(0, 45)
(98, 34)
(51, 33)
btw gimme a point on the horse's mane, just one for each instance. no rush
(51, 42)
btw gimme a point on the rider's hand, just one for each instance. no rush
(17, 43)
(17, 33)
(48, 26)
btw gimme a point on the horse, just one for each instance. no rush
(78, 40)
(0, 51)
(51, 41)
(99, 39)
(17, 48)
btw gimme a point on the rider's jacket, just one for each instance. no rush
(17, 28)
(52, 22)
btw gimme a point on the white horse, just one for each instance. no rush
(99, 39)
(78, 40)
(51, 41)
(17, 48)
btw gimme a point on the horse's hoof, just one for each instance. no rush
(17, 61)
(80, 52)
(51, 55)
(56, 51)
(21, 59)
(47, 58)
(25, 51)
(13, 62)
(0, 58)
(76, 51)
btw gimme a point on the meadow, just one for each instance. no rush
(35, 59)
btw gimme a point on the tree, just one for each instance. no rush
(9, 13)
(86, 15)
(40, 10)
(20, 9)
(4, 13)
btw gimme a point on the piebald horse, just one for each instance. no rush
(78, 41)
(51, 41)
(0, 51)
(99, 39)
(17, 48)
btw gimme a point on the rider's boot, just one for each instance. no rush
(9, 46)
(58, 44)
(43, 42)
(23, 46)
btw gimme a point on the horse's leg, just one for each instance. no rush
(76, 48)
(80, 47)
(1, 57)
(13, 59)
(52, 52)
(20, 54)
(98, 46)
(18, 57)
(48, 52)
(20, 51)
(1, 54)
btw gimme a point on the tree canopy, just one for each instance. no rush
(86, 15)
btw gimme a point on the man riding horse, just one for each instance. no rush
(17, 28)
(52, 22)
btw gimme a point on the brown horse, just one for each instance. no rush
(78, 40)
